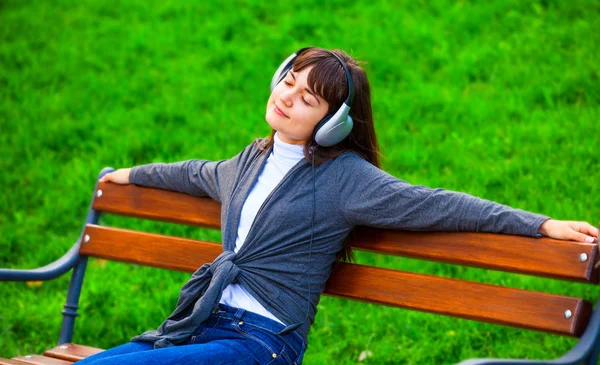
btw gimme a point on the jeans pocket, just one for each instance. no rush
(267, 348)
(200, 331)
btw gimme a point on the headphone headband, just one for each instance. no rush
(350, 97)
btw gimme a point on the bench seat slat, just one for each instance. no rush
(483, 302)
(72, 352)
(41, 360)
(543, 257)
(4, 361)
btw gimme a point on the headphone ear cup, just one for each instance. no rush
(334, 128)
(321, 123)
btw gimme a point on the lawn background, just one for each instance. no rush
(498, 99)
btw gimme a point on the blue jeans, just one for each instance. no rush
(229, 336)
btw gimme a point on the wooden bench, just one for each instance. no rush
(531, 310)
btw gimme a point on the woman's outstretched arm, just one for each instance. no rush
(193, 177)
(372, 197)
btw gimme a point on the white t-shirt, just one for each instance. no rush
(283, 157)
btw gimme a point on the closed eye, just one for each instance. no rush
(287, 83)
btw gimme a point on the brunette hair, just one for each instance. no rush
(327, 79)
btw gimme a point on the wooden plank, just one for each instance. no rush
(40, 360)
(458, 298)
(4, 361)
(148, 249)
(169, 206)
(543, 257)
(487, 303)
(71, 352)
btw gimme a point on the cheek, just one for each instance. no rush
(277, 91)
(270, 101)
(274, 95)
(309, 120)
(313, 117)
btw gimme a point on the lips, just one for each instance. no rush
(279, 111)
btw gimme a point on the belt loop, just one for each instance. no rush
(238, 314)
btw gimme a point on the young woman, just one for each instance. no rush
(288, 205)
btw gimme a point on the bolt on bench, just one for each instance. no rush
(519, 308)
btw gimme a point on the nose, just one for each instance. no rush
(286, 98)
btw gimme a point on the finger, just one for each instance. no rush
(581, 237)
(590, 231)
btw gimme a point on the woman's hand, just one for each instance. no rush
(121, 176)
(569, 230)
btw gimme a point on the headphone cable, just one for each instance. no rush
(295, 326)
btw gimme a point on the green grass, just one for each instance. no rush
(499, 99)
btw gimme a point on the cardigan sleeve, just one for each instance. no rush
(193, 177)
(372, 197)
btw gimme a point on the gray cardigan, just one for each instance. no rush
(273, 263)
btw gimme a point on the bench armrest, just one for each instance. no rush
(63, 264)
(571, 360)
(50, 271)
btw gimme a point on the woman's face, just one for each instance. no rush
(294, 109)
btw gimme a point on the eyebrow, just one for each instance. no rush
(307, 89)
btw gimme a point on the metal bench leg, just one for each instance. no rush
(72, 304)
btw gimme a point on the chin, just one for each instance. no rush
(271, 119)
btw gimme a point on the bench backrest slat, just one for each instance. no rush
(161, 205)
(148, 249)
(488, 303)
(543, 257)
(537, 256)
(460, 298)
